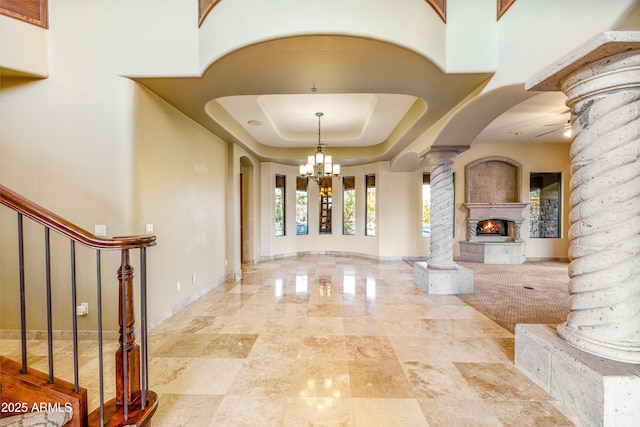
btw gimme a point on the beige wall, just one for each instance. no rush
(180, 182)
(23, 48)
(399, 206)
(96, 148)
(65, 143)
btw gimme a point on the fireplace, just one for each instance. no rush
(495, 212)
(492, 227)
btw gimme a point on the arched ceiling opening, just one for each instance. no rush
(395, 95)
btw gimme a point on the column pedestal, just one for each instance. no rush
(458, 280)
(599, 391)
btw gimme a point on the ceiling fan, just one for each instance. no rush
(565, 128)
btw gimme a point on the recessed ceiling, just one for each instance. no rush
(349, 119)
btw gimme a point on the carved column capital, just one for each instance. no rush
(443, 154)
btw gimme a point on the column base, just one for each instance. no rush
(600, 392)
(458, 280)
(493, 252)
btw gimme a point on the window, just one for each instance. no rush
(544, 204)
(371, 205)
(279, 205)
(302, 205)
(349, 205)
(325, 206)
(426, 205)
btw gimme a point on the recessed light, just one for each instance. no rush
(254, 122)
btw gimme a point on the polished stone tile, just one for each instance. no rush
(186, 410)
(264, 377)
(368, 325)
(369, 348)
(321, 379)
(230, 345)
(324, 310)
(451, 350)
(471, 328)
(277, 346)
(249, 411)
(388, 413)
(327, 347)
(434, 380)
(202, 345)
(193, 376)
(319, 412)
(325, 326)
(186, 323)
(500, 382)
(378, 379)
(450, 411)
(529, 414)
(321, 340)
(240, 324)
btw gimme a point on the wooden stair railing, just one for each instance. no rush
(134, 403)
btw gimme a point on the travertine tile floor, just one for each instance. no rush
(337, 341)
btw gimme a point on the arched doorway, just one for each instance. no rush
(247, 250)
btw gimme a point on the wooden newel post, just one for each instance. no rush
(127, 366)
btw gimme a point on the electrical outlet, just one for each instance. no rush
(149, 228)
(178, 286)
(82, 309)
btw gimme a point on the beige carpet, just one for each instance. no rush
(533, 292)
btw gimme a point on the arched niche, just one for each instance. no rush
(493, 180)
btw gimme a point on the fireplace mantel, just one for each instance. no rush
(508, 211)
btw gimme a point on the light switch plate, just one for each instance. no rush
(100, 230)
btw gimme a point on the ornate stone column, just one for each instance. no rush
(605, 208)
(603, 92)
(442, 204)
(602, 83)
(440, 274)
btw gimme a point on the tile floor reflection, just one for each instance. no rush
(337, 341)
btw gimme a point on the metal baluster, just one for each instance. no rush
(100, 356)
(143, 335)
(23, 306)
(123, 307)
(47, 250)
(74, 318)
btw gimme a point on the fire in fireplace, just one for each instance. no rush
(493, 227)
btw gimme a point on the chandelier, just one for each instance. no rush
(320, 166)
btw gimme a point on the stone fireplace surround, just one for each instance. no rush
(493, 193)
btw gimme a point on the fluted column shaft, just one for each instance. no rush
(604, 271)
(442, 204)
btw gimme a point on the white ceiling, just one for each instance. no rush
(540, 119)
(348, 119)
